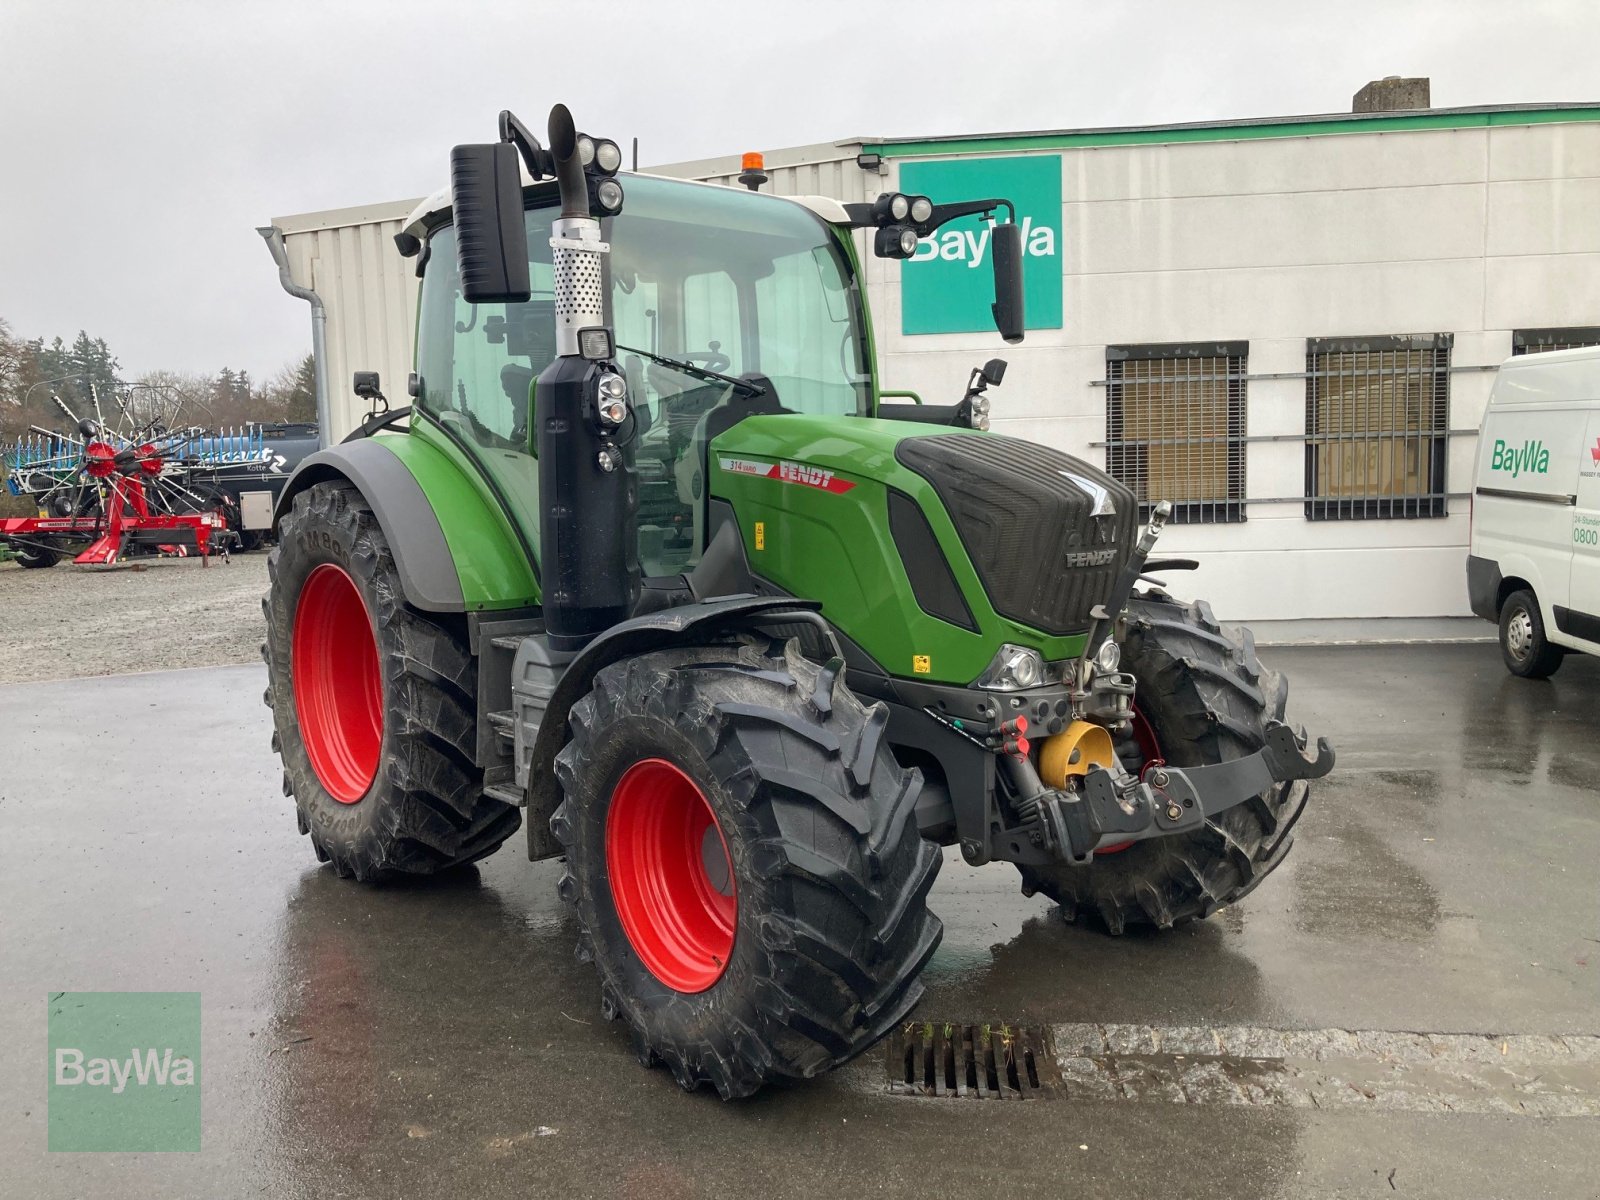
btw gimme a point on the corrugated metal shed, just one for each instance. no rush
(348, 257)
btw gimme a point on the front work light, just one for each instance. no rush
(891, 207)
(607, 156)
(1108, 658)
(1013, 669)
(897, 241)
(594, 343)
(608, 194)
(921, 209)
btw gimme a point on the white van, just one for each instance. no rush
(1534, 566)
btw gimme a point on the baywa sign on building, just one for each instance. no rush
(948, 286)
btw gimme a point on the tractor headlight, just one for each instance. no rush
(1108, 658)
(608, 194)
(890, 208)
(613, 402)
(607, 156)
(1013, 669)
(921, 209)
(896, 241)
(585, 149)
(980, 411)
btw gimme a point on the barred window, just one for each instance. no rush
(1536, 341)
(1377, 419)
(1175, 426)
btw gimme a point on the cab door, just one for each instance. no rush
(1582, 616)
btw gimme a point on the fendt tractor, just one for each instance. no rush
(655, 561)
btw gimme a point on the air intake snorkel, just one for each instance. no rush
(587, 492)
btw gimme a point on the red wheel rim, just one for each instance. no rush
(338, 691)
(671, 876)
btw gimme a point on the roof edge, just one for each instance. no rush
(1242, 128)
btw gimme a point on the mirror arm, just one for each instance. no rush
(539, 161)
(861, 214)
(943, 214)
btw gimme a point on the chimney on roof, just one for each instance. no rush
(1391, 94)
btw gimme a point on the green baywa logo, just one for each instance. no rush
(1530, 456)
(123, 1071)
(73, 1069)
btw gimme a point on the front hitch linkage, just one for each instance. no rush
(1168, 800)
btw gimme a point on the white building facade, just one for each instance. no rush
(1288, 328)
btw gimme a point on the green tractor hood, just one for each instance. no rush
(927, 546)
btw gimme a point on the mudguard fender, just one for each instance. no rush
(678, 626)
(422, 556)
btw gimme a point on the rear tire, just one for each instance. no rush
(375, 731)
(1528, 654)
(825, 920)
(1207, 699)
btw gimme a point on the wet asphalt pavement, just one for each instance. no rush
(439, 1040)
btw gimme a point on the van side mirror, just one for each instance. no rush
(491, 240)
(1006, 242)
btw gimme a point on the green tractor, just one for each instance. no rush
(655, 561)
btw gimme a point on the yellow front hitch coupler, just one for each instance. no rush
(1073, 751)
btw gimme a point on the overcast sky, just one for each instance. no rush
(142, 141)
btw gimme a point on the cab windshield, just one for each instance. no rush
(749, 287)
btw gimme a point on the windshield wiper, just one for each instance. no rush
(743, 386)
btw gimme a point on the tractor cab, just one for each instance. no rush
(724, 305)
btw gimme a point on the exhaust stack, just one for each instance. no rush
(588, 491)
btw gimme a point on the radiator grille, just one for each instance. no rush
(1047, 533)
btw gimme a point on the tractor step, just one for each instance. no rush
(507, 794)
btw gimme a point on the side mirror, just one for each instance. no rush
(993, 371)
(491, 240)
(366, 384)
(1006, 242)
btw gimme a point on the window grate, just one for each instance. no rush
(1175, 427)
(1538, 341)
(1377, 421)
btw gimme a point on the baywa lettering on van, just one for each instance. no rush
(1531, 457)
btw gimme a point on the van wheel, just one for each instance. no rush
(1522, 642)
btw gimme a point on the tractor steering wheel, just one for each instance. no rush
(712, 358)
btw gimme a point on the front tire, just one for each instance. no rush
(373, 703)
(745, 864)
(1527, 652)
(1204, 698)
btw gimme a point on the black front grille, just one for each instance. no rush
(1044, 557)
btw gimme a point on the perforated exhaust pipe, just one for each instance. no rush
(588, 492)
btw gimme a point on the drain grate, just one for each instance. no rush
(976, 1062)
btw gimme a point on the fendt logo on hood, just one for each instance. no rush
(787, 472)
(1531, 457)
